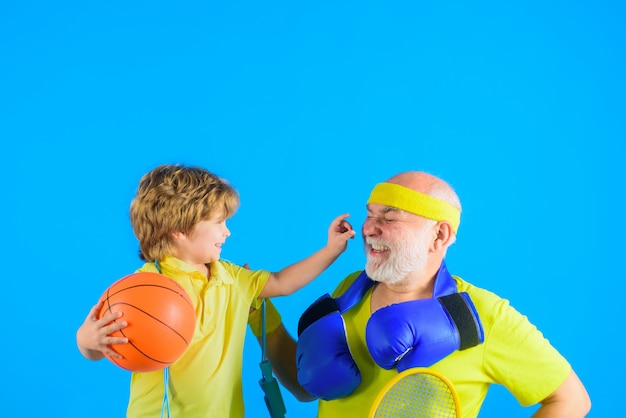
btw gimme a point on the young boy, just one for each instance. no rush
(179, 217)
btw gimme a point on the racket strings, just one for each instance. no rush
(418, 395)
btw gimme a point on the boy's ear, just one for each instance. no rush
(177, 235)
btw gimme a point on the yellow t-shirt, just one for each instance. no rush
(514, 354)
(206, 380)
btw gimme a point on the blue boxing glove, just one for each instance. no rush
(421, 332)
(326, 368)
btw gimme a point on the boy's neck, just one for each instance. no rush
(204, 269)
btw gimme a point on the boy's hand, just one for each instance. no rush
(93, 336)
(339, 232)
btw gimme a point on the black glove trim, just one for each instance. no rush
(464, 318)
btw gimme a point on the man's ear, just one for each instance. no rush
(445, 236)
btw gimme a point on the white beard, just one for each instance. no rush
(409, 254)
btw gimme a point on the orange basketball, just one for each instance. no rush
(160, 316)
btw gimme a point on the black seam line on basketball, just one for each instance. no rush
(148, 285)
(108, 302)
(149, 357)
(153, 317)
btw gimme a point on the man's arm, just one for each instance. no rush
(570, 400)
(280, 348)
(281, 352)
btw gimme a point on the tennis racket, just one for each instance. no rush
(417, 392)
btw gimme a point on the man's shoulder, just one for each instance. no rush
(488, 304)
(465, 286)
(346, 283)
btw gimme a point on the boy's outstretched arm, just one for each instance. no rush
(295, 276)
(93, 338)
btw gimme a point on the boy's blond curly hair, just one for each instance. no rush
(174, 198)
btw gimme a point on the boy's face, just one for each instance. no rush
(204, 244)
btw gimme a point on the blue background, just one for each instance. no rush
(304, 106)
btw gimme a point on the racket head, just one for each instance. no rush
(417, 392)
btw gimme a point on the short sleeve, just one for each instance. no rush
(250, 282)
(519, 357)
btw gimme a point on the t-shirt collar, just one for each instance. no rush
(218, 273)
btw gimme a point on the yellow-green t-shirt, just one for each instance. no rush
(514, 354)
(206, 380)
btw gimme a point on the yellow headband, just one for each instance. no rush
(400, 197)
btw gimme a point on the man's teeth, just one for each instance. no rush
(378, 247)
